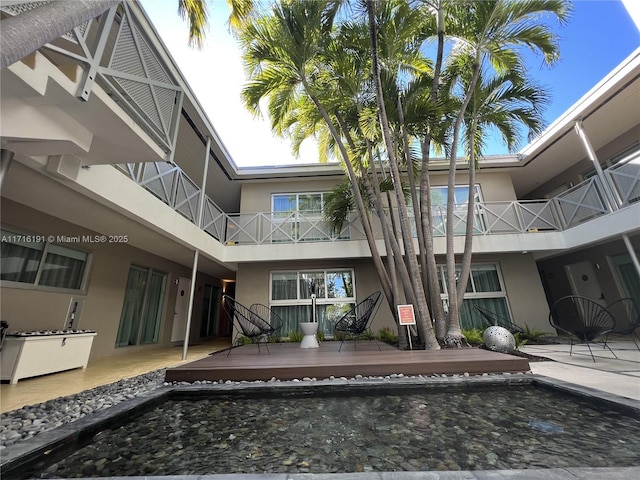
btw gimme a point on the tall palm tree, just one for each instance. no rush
(504, 103)
(491, 32)
(282, 52)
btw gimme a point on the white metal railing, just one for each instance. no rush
(624, 176)
(581, 203)
(273, 227)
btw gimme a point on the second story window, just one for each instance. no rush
(298, 217)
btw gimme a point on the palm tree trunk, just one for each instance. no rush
(425, 184)
(454, 337)
(425, 329)
(414, 196)
(366, 225)
(465, 264)
(27, 32)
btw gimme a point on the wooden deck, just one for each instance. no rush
(288, 361)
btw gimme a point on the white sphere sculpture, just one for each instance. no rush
(499, 339)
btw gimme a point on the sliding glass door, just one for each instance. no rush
(142, 309)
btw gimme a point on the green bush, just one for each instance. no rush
(320, 336)
(295, 336)
(385, 334)
(530, 334)
(473, 335)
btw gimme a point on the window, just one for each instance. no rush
(485, 288)
(291, 297)
(439, 207)
(299, 217)
(31, 259)
(439, 210)
(142, 308)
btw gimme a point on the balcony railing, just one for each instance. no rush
(577, 205)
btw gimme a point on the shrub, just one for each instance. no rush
(295, 336)
(473, 336)
(530, 334)
(385, 334)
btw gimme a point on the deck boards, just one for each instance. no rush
(288, 361)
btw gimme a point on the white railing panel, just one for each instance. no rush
(625, 178)
(582, 202)
(214, 220)
(159, 179)
(187, 197)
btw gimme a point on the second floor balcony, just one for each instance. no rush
(586, 201)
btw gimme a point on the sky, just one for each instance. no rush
(599, 35)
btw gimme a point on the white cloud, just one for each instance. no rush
(633, 7)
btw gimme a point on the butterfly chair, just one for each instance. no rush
(582, 319)
(356, 321)
(626, 313)
(270, 316)
(250, 324)
(493, 319)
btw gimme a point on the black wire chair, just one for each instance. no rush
(493, 319)
(271, 317)
(581, 319)
(356, 321)
(626, 313)
(250, 324)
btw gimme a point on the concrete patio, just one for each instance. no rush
(618, 376)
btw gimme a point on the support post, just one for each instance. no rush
(6, 157)
(192, 292)
(609, 197)
(194, 270)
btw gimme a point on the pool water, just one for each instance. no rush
(500, 427)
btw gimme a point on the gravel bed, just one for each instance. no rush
(30, 420)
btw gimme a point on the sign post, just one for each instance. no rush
(406, 316)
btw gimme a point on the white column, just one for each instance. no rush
(6, 157)
(609, 197)
(194, 270)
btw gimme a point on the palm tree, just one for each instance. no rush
(491, 32)
(504, 103)
(26, 32)
(282, 51)
(349, 84)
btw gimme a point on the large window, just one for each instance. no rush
(439, 205)
(31, 259)
(299, 217)
(291, 297)
(142, 309)
(439, 210)
(485, 288)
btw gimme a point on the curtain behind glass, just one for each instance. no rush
(485, 278)
(132, 307)
(284, 286)
(63, 268)
(306, 281)
(152, 318)
(470, 318)
(19, 262)
(327, 316)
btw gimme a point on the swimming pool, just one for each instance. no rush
(357, 427)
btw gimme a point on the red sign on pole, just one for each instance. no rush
(406, 315)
